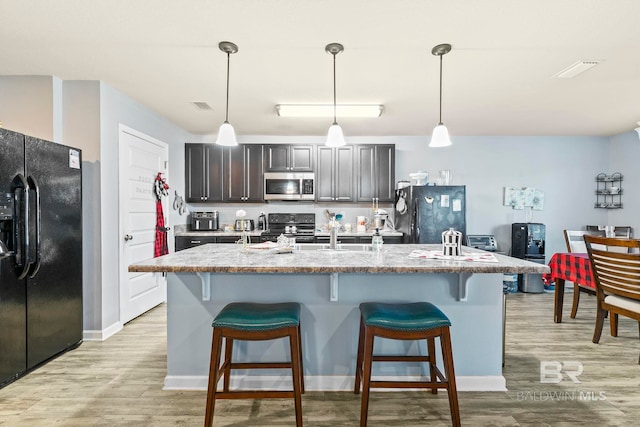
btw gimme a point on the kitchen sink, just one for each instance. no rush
(346, 247)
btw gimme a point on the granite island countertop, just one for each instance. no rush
(225, 258)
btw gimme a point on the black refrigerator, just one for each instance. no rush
(423, 212)
(41, 268)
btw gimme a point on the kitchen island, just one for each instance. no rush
(330, 284)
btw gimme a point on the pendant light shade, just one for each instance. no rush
(226, 133)
(440, 136)
(335, 137)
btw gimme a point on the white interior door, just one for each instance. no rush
(141, 158)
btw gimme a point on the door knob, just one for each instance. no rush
(128, 237)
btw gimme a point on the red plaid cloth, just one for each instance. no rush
(161, 247)
(572, 267)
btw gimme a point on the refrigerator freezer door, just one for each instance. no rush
(13, 346)
(54, 293)
(438, 208)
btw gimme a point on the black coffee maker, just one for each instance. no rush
(527, 242)
(262, 222)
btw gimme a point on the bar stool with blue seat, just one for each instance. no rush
(405, 321)
(255, 322)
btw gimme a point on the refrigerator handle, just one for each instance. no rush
(33, 184)
(21, 224)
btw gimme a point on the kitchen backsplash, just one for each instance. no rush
(227, 211)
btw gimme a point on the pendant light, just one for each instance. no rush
(440, 137)
(335, 137)
(226, 134)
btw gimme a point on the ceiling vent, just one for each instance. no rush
(577, 68)
(201, 105)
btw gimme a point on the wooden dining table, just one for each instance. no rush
(574, 267)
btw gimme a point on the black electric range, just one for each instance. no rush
(299, 225)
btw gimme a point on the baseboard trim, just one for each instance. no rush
(323, 383)
(102, 335)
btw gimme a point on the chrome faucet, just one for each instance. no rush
(333, 233)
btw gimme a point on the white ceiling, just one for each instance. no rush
(497, 80)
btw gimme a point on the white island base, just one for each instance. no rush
(330, 326)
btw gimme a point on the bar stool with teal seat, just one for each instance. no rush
(255, 322)
(405, 321)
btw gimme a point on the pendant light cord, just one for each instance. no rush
(335, 122)
(226, 119)
(440, 89)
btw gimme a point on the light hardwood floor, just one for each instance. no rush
(119, 383)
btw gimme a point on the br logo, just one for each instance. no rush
(552, 372)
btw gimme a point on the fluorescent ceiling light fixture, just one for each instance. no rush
(577, 68)
(326, 110)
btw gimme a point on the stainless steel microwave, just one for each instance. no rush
(289, 186)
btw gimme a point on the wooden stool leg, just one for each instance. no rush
(301, 362)
(431, 348)
(447, 357)
(214, 365)
(366, 376)
(228, 351)
(356, 388)
(294, 345)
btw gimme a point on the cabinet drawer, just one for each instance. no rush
(186, 242)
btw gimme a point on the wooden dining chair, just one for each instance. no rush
(617, 277)
(575, 244)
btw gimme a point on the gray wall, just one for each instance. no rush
(26, 105)
(115, 109)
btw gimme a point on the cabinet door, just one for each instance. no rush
(194, 190)
(244, 173)
(385, 173)
(324, 174)
(277, 158)
(365, 168)
(375, 171)
(234, 174)
(254, 173)
(203, 173)
(214, 180)
(301, 158)
(343, 174)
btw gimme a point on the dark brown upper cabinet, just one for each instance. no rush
(375, 172)
(288, 158)
(334, 174)
(244, 173)
(203, 173)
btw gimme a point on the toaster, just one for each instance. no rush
(249, 225)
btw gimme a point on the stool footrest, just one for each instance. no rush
(407, 384)
(254, 394)
(261, 365)
(401, 359)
